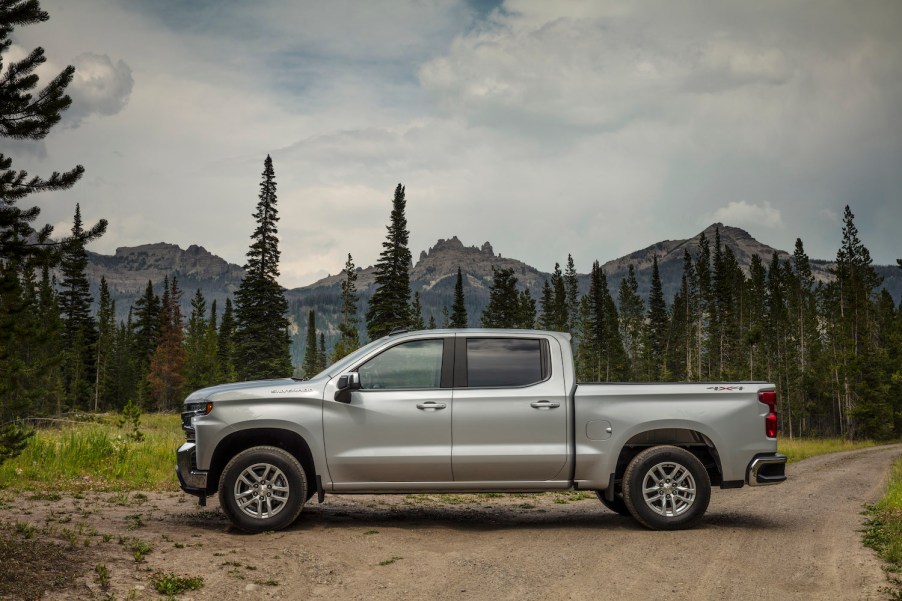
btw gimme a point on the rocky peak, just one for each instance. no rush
(132, 266)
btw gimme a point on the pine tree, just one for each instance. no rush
(321, 355)
(106, 338)
(165, 374)
(863, 404)
(705, 303)
(200, 346)
(262, 339)
(656, 328)
(416, 313)
(601, 348)
(757, 328)
(458, 307)
(389, 309)
(211, 346)
(47, 357)
(125, 366)
(682, 340)
(805, 337)
(348, 336)
(557, 318)
(526, 311)
(311, 358)
(585, 355)
(79, 334)
(26, 113)
(147, 324)
(571, 287)
(632, 317)
(677, 330)
(504, 309)
(225, 347)
(547, 304)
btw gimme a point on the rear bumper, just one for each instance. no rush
(766, 469)
(192, 480)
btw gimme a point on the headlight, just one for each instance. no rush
(194, 410)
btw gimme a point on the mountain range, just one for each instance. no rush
(433, 275)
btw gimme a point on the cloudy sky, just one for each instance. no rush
(594, 128)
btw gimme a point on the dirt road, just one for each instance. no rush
(800, 540)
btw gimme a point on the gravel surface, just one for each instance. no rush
(799, 540)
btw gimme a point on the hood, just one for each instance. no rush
(260, 389)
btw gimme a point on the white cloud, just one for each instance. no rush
(99, 87)
(748, 215)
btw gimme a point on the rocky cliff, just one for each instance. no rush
(128, 271)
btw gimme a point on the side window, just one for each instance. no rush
(504, 362)
(416, 364)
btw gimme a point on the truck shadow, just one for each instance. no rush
(585, 515)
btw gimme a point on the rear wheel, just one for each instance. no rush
(666, 488)
(618, 505)
(263, 488)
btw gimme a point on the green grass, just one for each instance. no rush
(797, 449)
(98, 456)
(167, 583)
(884, 523)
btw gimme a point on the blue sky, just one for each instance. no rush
(592, 128)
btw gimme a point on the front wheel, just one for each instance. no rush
(666, 488)
(263, 488)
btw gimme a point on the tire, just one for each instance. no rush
(666, 488)
(618, 505)
(263, 488)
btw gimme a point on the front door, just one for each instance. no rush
(397, 427)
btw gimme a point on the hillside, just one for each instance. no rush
(128, 271)
(433, 276)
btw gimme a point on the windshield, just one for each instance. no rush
(346, 362)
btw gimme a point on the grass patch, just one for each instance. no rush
(138, 547)
(388, 562)
(797, 449)
(167, 583)
(98, 455)
(883, 528)
(102, 576)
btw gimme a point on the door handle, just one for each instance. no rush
(544, 405)
(430, 406)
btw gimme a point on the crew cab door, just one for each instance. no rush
(510, 414)
(397, 427)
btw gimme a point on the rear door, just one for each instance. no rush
(510, 416)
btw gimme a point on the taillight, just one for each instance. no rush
(769, 398)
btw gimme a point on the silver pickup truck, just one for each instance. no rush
(474, 411)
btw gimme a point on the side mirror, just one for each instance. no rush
(346, 384)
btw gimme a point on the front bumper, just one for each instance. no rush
(192, 480)
(766, 469)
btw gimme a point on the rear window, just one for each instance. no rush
(504, 362)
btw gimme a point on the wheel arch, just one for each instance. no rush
(239, 441)
(686, 437)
